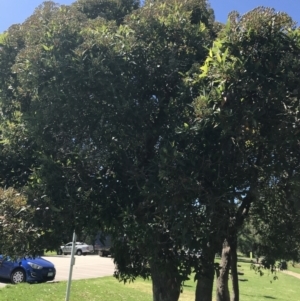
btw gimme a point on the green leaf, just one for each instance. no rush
(202, 27)
(204, 69)
(224, 56)
(47, 48)
(3, 38)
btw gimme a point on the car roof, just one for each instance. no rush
(77, 243)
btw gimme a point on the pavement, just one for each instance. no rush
(291, 273)
(90, 266)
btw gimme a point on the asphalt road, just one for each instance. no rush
(90, 266)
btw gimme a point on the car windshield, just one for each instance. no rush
(8, 258)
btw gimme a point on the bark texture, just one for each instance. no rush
(222, 280)
(234, 273)
(206, 278)
(165, 283)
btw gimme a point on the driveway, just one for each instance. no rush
(90, 266)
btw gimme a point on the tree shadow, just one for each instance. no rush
(243, 280)
(245, 260)
(267, 297)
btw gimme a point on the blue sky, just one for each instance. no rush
(16, 11)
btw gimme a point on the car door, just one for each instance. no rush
(68, 248)
(1, 266)
(6, 266)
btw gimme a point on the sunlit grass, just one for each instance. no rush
(294, 268)
(252, 288)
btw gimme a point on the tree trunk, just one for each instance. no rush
(206, 278)
(222, 281)
(234, 274)
(165, 284)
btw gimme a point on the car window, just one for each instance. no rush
(7, 258)
(69, 244)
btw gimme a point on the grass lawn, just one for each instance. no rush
(295, 268)
(252, 288)
(50, 253)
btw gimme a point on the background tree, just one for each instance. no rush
(252, 104)
(18, 232)
(276, 238)
(111, 10)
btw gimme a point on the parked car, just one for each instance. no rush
(81, 248)
(29, 269)
(103, 244)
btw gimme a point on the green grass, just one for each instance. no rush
(295, 268)
(50, 253)
(100, 289)
(252, 288)
(257, 288)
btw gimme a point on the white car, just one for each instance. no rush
(81, 248)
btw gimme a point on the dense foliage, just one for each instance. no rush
(155, 124)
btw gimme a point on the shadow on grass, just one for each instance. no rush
(243, 280)
(267, 297)
(245, 260)
(185, 285)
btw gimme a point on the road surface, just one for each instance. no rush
(90, 266)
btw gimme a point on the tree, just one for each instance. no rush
(275, 238)
(120, 131)
(111, 10)
(22, 156)
(18, 232)
(251, 103)
(109, 99)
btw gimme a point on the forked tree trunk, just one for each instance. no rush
(234, 274)
(206, 278)
(165, 284)
(222, 280)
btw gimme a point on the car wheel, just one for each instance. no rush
(65, 253)
(17, 276)
(101, 254)
(59, 252)
(79, 252)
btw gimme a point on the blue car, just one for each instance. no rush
(29, 269)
